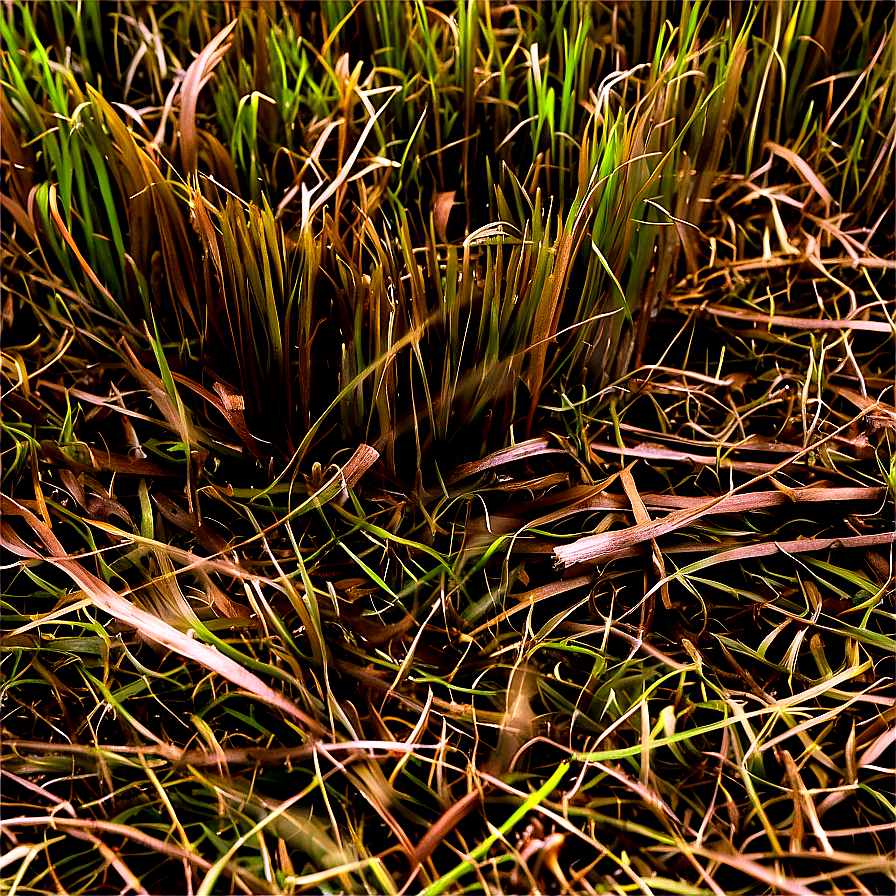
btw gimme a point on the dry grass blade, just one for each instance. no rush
(803, 168)
(232, 406)
(528, 448)
(445, 825)
(197, 75)
(758, 500)
(642, 517)
(310, 210)
(802, 323)
(151, 627)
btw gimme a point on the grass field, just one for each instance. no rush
(448, 447)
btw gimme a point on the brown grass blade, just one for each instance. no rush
(799, 323)
(642, 517)
(761, 500)
(442, 203)
(149, 626)
(803, 168)
(21, 159)
(197, 76)
(109, 461)
(344, 172)
(529, 448)
(20, 216)
(657, 452)
(451, 818)
(362, 459)
(233, 406)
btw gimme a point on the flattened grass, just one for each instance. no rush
(448, 448)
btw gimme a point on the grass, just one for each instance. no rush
(447, 448)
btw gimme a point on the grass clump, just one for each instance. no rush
(447, 447)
